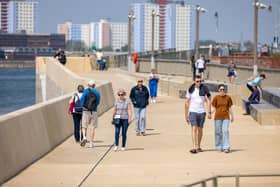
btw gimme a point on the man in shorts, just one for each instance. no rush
(89, 118)
(196, 97)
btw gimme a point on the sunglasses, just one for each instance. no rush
(120, 94)
(198, 81)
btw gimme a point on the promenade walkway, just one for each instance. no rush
(162, 157)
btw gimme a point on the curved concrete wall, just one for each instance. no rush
(28, 134)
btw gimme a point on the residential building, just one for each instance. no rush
(118, 35)
(4, 15)
(22, 16)
(172, 25)
(102, 34)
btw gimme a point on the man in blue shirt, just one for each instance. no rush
(89, 118)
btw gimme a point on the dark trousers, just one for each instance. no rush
(122, 126)
(194, 72)
(247, 104)
(77, 124)
(250, 88)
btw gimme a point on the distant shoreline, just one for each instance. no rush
(17, 64)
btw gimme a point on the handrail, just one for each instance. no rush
(214, 179)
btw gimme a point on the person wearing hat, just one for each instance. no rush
(90, 101)
(122, 112)
(139, 96)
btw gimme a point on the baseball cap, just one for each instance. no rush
(91, 82)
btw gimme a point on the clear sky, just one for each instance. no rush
(235, 16)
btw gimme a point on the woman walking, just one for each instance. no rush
(121, 118)
(153, 85)
(77, 111)
(222, 118)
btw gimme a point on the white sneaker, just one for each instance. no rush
(123, 148)
(90, 145)
(116, 148)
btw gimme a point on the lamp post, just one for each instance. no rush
(129, 63)
(153, 38)
(198, 9)
(257, 5)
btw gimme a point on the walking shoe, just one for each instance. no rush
(137, 133)
(90, 145)
(143, 133)
(193, 151)
(123, 148)
(199, 150)
(227, 151)
(83, 143)
(116, 148)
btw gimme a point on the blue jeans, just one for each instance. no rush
(140, 119)
(124, 126)
(77, 124)
(222, 134)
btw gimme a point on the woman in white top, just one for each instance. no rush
(122, 112)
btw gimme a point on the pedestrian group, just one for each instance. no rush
(83, 106)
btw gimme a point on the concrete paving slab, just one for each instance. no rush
(162, 157)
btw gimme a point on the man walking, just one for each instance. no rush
(196, 97)
(90, 101)
(139, 96)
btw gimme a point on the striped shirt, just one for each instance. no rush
(121, 107)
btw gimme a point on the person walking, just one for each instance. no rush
(153, 85)
(139, 96)
(90, 101)
(200, 65)
(193, 67)
(231, 72)
(223, 116)
(196, 97)
(77, 111)
(121, 112)
(254, 98)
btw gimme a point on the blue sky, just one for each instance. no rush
(235, 16)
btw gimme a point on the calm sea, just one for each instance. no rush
(17, 88)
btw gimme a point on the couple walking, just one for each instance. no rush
(197, 97)
(139, 97)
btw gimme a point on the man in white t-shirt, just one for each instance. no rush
(200, 65)
(196, 97)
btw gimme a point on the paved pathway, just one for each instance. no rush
(162, 157)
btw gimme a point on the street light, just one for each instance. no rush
(153, 38)
(131, 17)
(257, 5)
(198, 9)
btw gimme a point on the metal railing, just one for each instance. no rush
(214, 179)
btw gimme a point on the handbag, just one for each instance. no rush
(71, 107)
(116, 121)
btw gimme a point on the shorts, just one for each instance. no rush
(89, 119)
(200, 70)
(197, 119)
(231, 74)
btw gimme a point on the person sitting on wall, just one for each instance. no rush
(61, 56)
(254, 98)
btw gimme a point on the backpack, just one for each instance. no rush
(90, 101)
(77, 104)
